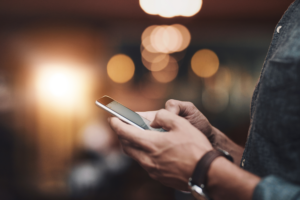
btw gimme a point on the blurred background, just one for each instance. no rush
(57, 57)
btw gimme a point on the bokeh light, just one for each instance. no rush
(120, 68)
(166, 39)
(155, 61)
(171, 8)
(168, 74)
(59, 81)
(205, 63)
(185, 35)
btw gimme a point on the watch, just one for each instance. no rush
(198, 180)
(197, 191)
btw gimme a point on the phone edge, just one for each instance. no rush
(116, 114)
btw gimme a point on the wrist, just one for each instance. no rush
(227, 181)
(198, 181)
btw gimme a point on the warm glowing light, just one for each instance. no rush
(185, 35)
(146, 39)
(154, 61)
(59, 81)
(171, 8)
(59, 84)
(120, 68)
(168, 74)
(166, 39)
(205, 63)
(153, 57)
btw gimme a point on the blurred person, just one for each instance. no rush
(185, 157)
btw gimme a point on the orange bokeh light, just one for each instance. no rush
(168, 74)
(120, 68)
(166, 39)
(205, 63)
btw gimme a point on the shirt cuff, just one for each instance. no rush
(275, 188)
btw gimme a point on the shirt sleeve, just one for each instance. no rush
(275, 188)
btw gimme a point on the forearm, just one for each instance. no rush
(227, 181)
(220, 140)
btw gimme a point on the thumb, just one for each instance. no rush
(165, 119)
(173, 106)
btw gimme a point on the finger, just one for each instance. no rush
(150, 115)
(173, 106)
(181, 108)
(135, 137)
(165, 119)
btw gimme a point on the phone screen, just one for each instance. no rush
(127, 113)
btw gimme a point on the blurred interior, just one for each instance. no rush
(58, 57)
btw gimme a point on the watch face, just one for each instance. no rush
(197, 192)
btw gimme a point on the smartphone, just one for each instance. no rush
(125, 114)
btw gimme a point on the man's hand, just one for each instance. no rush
(169, 157)
(189, 111)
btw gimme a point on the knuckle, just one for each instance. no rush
(171, 103)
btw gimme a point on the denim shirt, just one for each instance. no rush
(273, 146)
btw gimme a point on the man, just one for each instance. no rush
(269, 164)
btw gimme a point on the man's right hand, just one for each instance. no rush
(189, 111)
(218, 139)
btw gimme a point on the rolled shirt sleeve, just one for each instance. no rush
(275, 188)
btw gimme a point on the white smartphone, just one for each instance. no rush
(125, 114)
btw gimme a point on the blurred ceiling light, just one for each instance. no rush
(171, 8)
(168, 74)
(205, 63)
(161, 64)
(153, 57)
(120, 68)
(166, 39)
(155, 62)
(60, 81)
(185, 35)
(215, 100)
(146, 38)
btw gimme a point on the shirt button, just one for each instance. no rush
(243, 162)
(278, 29)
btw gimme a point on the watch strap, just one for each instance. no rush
(200, 172)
